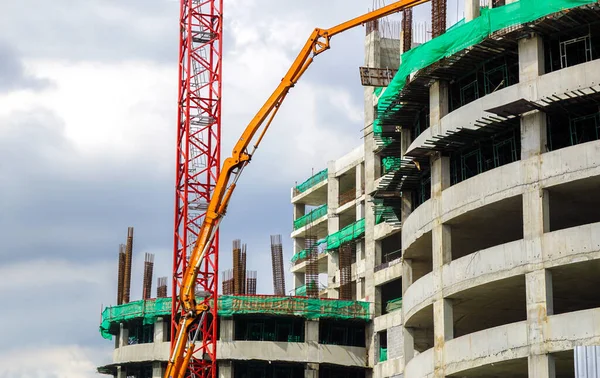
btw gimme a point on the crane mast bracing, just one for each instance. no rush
(183, 345)
(198, 162)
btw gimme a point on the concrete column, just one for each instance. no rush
(531, 58)
(539, 306)
(534, 140)
(438, 105)
(299, 278)
(443, 329)
(123, 335)
(225, 369)
(405, 141)
(408, 344)
(472, 10)
(536, 214)
(360, 176)
(227, 329)
(311, 331)
(160, 330)
(333, 188)
(407, 275)
(440, 233)
(158, 371)
(121, 372)
(299, 210)
(311, 370)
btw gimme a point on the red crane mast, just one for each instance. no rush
(198, 162)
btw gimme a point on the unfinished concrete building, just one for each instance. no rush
(486, 147)
(259, 337)
(460, 240)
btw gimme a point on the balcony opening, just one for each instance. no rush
(490, 305)
(391, 251)
(267, 369)
(575, 286)
(140, 333)
(574, 204)
(265, 328)
(420, 325)
(419, 256)
(488, 226)
(342, 332)
(571, 47)
(391, 296)
(572, 124)
(486, 153)
(489, 77)
(336, 371)
(383, 348)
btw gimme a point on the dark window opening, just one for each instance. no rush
(391, 250)
(498, 3)
(264, 369)
(338, 332)
(329, 371)
(139, 372)
(581, 278)
(265, 328)
(573, 124)
(140, 333)
(383, 349)
(572, 47)
(485, 79)
(485, 154)
(423, 190)
(391, 296)
(421, 123)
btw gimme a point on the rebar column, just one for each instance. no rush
(121, 274)
(407, 30)
(161, 287)
(128, 260)
(228, 282)
(148, 273)
(312, 268)
(438, 17)
(345, 256)
(251, 282)
(277, 265)
(237, 276)
(243, 271)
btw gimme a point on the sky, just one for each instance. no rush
(88, 112)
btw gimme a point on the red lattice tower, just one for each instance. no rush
(198, 161)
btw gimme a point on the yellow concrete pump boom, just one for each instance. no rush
(233, 166)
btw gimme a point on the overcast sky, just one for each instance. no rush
(87, 136)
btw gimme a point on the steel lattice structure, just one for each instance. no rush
(198, 161)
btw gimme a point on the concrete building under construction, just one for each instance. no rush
(460, 240)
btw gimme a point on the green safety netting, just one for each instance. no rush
(310, 308)
(382, 354)
(390, 163)
(346, 234)
(393, 305)
(310, 217)
(459, 37)
(314, 180)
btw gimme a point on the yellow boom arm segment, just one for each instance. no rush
(233, 166)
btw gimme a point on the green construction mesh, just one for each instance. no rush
(346, 234)
(300, 255)
(390, 163)
(310, 308)
(459, 37)
(393, 305)
(314, 180)
(382, 354)
(310, 217)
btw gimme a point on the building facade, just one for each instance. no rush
(466, 223)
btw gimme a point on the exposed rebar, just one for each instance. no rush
(251, 282)
(128, 261)
(277, 265)
(148, 272)
(121, 274)
(161, 287)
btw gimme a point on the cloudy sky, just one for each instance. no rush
(87, 137)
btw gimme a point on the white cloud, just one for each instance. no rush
(44, 361)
